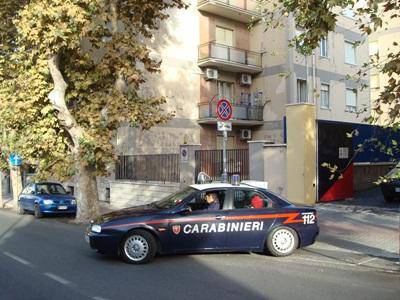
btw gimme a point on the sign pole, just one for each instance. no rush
(224, 174)
(224, 113)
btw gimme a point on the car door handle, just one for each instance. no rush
(219, 217)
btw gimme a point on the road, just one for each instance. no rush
(49, 259)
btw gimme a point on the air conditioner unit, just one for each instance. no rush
(245, 79)
(211, 74)
(245, 134)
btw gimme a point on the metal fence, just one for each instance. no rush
(156, 167)
(210, 162)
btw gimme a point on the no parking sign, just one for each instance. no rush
(224, 110)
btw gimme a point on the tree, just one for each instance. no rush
(70, 75)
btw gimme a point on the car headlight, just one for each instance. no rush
(96, 228)
(73, 202)
(47, 202)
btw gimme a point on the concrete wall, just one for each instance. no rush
(128, 193)
(176, 44)
(301, 153)
(275, 168)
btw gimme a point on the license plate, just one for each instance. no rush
(62, 207)
(87, 238)
(397, 190)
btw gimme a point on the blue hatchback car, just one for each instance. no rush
(46, 198)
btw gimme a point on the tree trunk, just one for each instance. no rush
(86, 186)
(16, 183)
(87, 195)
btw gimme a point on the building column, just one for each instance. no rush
(301, 153)
(188, 163)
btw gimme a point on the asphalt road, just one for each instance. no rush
(49, 259)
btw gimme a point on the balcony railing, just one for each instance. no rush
(239, 10)
(240, 111)
(229, 54)
(248, 5)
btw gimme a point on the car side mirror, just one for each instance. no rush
(185, 210)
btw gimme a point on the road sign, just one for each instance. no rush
(224, 110)
(15, 159)
(224, 126)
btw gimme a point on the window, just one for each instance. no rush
(373, 48)
(208, 201)
(225, 90)
(348, 12)
(374, 81)
(224, 36)
(349, 53)
(324, 96)
(323, 47)
(249, 199)
(351, 100)
(301, 90)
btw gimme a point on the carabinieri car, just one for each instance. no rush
(246, 218)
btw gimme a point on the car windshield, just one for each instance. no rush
(50, 188)
(174, 199)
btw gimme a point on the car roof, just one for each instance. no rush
(244, 184)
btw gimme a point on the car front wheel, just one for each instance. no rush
(138, 247)
(282, 241)
(21, 211)
(37, 212)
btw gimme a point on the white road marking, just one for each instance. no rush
(98, 298)
(365, 261)
(57, 278)
(17, 258)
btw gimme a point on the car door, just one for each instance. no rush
(199, 229)
(22, 198)
(30, 197)
(251, 215)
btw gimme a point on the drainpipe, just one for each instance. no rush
(313, 77)
(307, 75)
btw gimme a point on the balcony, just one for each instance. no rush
(229, 58)
(244, 11)
(243, 114)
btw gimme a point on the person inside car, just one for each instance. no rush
(212, 202)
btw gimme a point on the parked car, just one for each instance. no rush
(390, 185)
(212, 217)
(46, 198)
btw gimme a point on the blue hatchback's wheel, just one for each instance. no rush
(21, 211)
(37, 212)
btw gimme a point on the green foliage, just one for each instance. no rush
(98, 42)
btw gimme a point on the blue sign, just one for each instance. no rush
(15, 159)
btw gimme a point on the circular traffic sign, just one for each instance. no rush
(224, 110)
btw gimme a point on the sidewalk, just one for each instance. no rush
(364, 230)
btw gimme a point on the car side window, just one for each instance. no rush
(28, 190)
(245, 199)
(208, 201)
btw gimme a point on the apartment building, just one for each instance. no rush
(209, 52)
(381, 44)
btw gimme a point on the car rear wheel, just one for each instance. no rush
(21, 211)
(138, 247)
(37, 212)
(282, 241)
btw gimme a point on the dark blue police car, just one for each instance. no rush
(246, 218)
